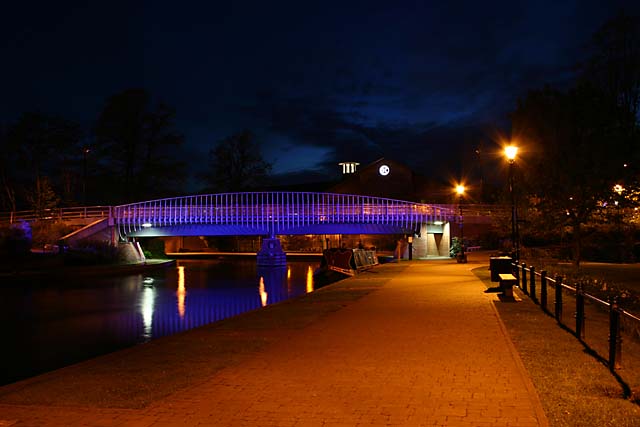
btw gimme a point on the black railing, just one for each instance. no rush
(595, 318)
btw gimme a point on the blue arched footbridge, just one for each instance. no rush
(274, 213)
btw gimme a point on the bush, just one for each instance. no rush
(154, 248)
(16, 240)
(489, 240)
(456, 247)
(49, 232)
(92, 253)
(608, 245)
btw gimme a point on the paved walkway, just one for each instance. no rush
(426, 348)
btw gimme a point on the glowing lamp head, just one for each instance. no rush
(618, 188)
(511, 151)
(460, 189)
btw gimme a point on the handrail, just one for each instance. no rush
(77, 212)
(615, 312)
(276, 211)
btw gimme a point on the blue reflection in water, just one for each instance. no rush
(52, 323)
(146, 308)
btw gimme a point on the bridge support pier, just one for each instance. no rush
(271, 253)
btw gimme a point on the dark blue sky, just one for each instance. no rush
(318, 82)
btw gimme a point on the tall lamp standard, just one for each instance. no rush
(462, 257)
(511, 152)
(85, 152)
(619, 189)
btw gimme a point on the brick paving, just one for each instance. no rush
(425, 349)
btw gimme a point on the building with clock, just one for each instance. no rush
(385, 178)
(394, 180)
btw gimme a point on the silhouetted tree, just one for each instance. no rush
(614, 65)
(42, 197)
(576, 152)
(236, 164)
(40, 148)
(581, 141)
(136, 145)
(8, 194)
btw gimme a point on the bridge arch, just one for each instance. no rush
(273, 213)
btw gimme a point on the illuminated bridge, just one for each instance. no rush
(274, 213)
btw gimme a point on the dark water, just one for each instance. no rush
(48, 324)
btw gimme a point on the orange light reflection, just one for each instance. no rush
(182, 292)
(309, 279)
(263, 293)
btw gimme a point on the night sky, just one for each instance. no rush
(317, 82)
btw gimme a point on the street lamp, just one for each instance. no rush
(511, 152)
(85, 151)
(619, 189)
(460, 192)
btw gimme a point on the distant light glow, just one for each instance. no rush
(438, 222)
(147, 225)
(511, 151)
(288, 272)
(349, 167)
(384, 170)
(618, 188)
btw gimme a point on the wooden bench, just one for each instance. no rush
(507, 281)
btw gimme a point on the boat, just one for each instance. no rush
(348, 261)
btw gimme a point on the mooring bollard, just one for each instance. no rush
(579, 312)
(543, 290)
(558, 305)
(615, 340)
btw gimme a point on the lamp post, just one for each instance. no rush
(85, 152)
(460, 192)
(511, 152)
(619, 189)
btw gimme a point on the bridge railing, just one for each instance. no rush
(60, 214)
(276, 211)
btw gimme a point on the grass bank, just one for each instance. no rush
(574, 387)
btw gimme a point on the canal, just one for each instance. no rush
(48, 324)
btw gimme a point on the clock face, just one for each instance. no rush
(384, 170)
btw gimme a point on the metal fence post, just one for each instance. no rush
(615, 340)
(532, 283)
(579, 312)
(543, 290)
(516, 272)
(558, 305)
(524, 278)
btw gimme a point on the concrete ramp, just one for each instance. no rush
(97, 230)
